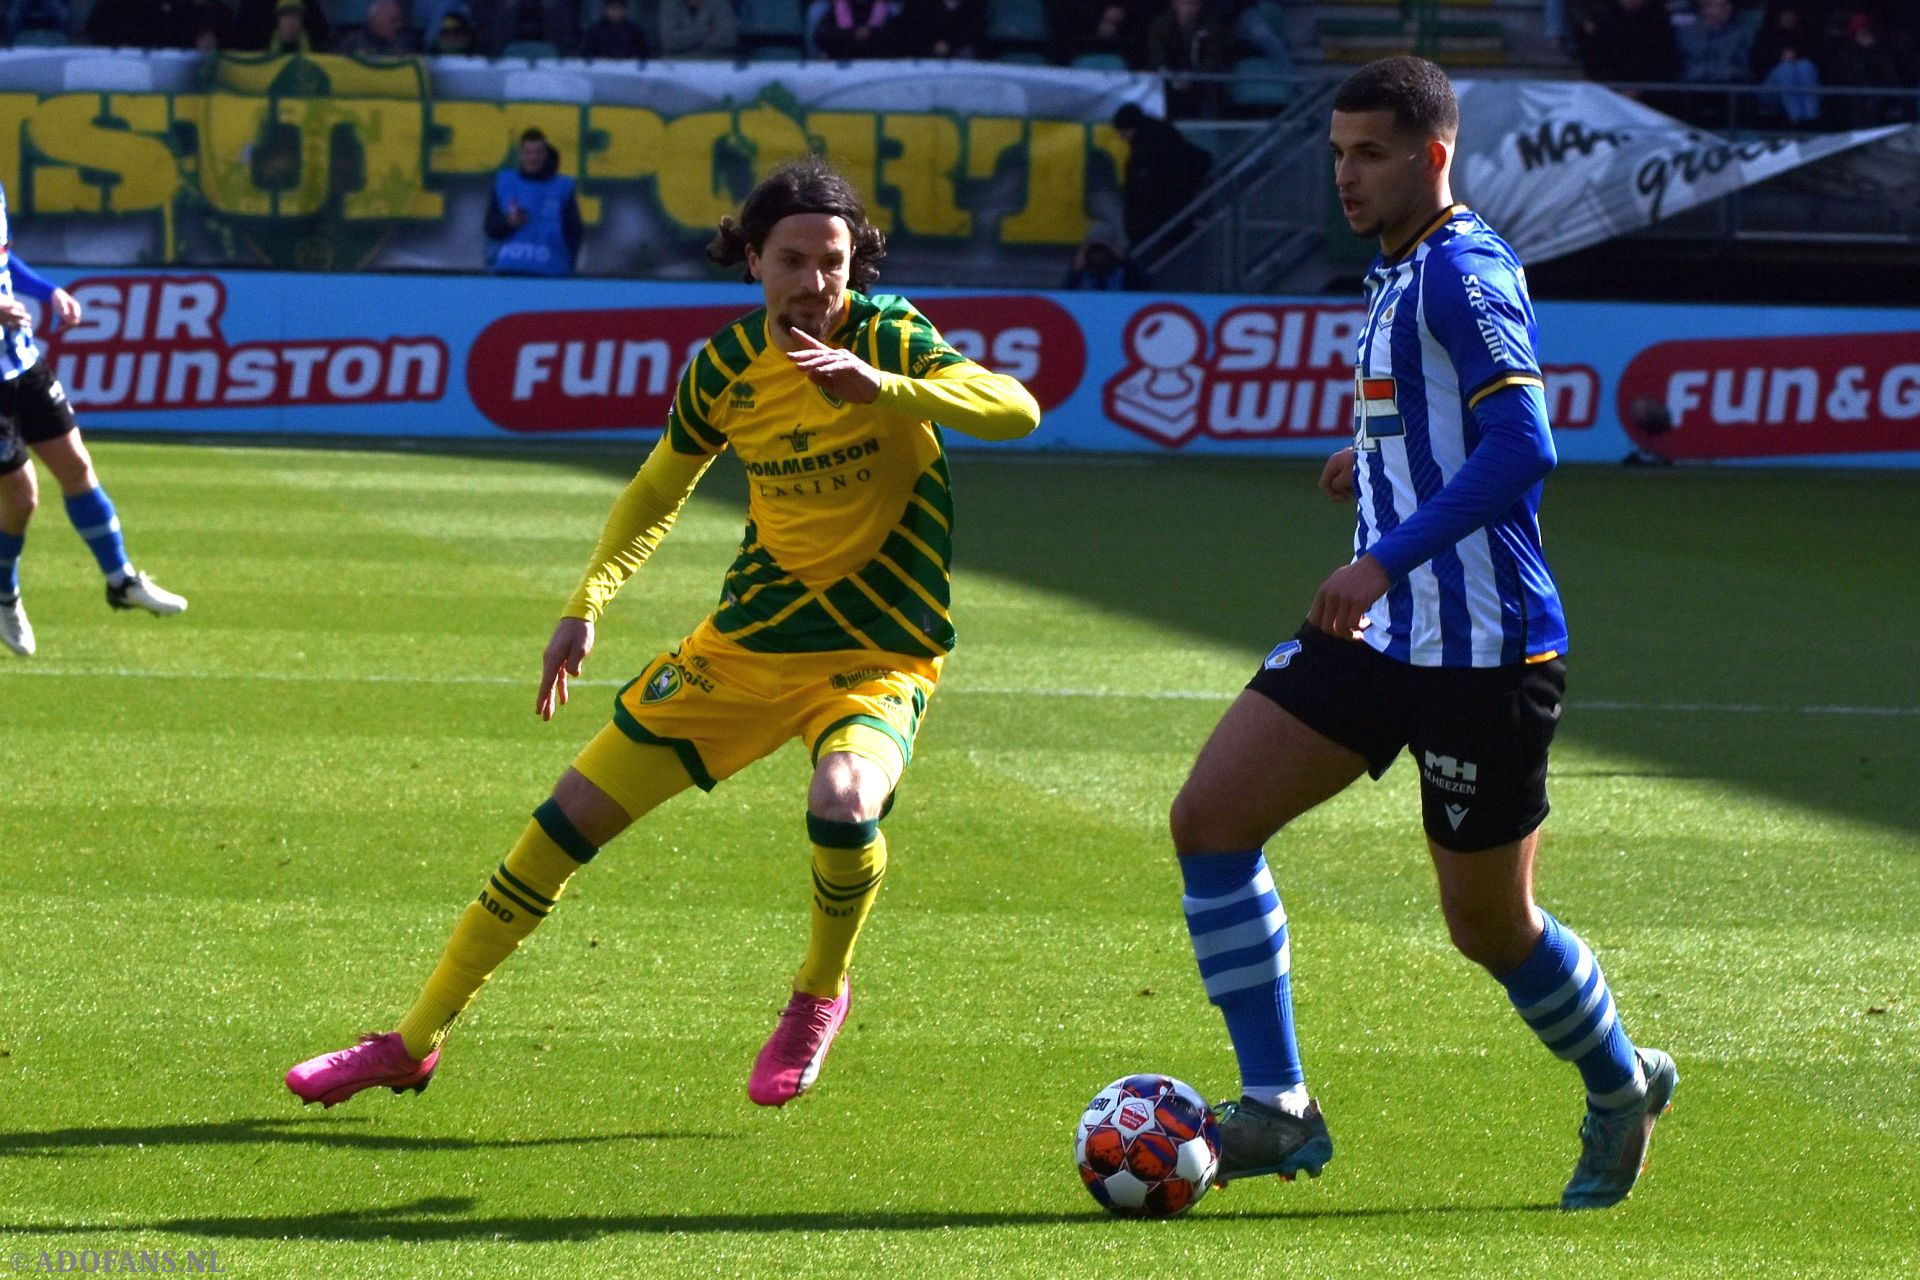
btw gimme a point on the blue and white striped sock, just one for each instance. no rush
(1561, 993)
(1239, 932)
(98, 525)
(11, 545)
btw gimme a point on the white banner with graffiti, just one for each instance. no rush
(1559, 166)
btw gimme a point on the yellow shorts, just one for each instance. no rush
(721, 707)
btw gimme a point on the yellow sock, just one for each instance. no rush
(849, 861)
(515, 898)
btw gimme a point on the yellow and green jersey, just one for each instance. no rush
(849, 532)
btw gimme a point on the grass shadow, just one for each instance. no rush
(300, 1130)
(445, 1220)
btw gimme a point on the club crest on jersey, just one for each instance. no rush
(1376, 407)
(1282, 655)
(829, 397)
(665, 683)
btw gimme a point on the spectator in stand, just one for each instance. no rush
(698, 29)
(1115, 27)
(1866, 60)
(1715, 49)
(533, 222)
(1164, 173)
(37, 15)
(1783, 61)
(256, 21)
(614, 35)
(857, 29)
(289, 34)
(943, 29)
(454, 36)
(1102, 265)
(1629, 40)
(385, 35)
(1189, 37)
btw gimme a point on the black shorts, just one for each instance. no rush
(33, 410)
(1479, 734)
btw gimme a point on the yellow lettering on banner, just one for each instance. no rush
(15, 109)
(772, 138)
(1056, 208)
(314, 119)
(107, 157)
(467, 137)
(631, 139)
(923, 172)
(989, 138)
(230, 127)
(692, 193)
(392, 136)
(851, 139)
(1105, 139)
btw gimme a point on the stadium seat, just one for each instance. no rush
(1017, 22)
(532, 50)
(1099, 62)
(1261, 85)
(35, 37)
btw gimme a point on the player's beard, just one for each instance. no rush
(816, 325)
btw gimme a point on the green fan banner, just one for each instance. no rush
(331, 163)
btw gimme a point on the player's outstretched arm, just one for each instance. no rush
(572, 642)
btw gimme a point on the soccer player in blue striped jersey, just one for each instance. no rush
(1443, 636)
(34, 413)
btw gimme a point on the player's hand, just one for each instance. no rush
(840, 371)
(1336, 478)
(66, 306)
(1340, 606)
(572, 642)
(14, 315)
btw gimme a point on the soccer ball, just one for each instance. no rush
(1147, 1147)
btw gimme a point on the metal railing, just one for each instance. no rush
(1255, 219)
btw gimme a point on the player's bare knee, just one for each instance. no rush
(593, 813)
(848, 789)
(1200, 822)
(1490, 935)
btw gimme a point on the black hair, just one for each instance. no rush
(806, 185)
(1415, 90)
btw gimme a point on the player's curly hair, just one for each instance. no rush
(806, 185)
(1415, 90)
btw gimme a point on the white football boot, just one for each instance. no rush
(15, 631)
(142, 592)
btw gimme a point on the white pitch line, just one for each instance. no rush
(995, 691)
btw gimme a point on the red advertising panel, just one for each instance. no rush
(1775, 397)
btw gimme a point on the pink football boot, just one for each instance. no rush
(376, 1060)
(790, 1062)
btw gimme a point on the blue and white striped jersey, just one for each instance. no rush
(1446, 372)
(17, 352)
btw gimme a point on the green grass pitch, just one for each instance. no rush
(234, 839)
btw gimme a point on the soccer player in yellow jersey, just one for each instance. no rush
(832, 626)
